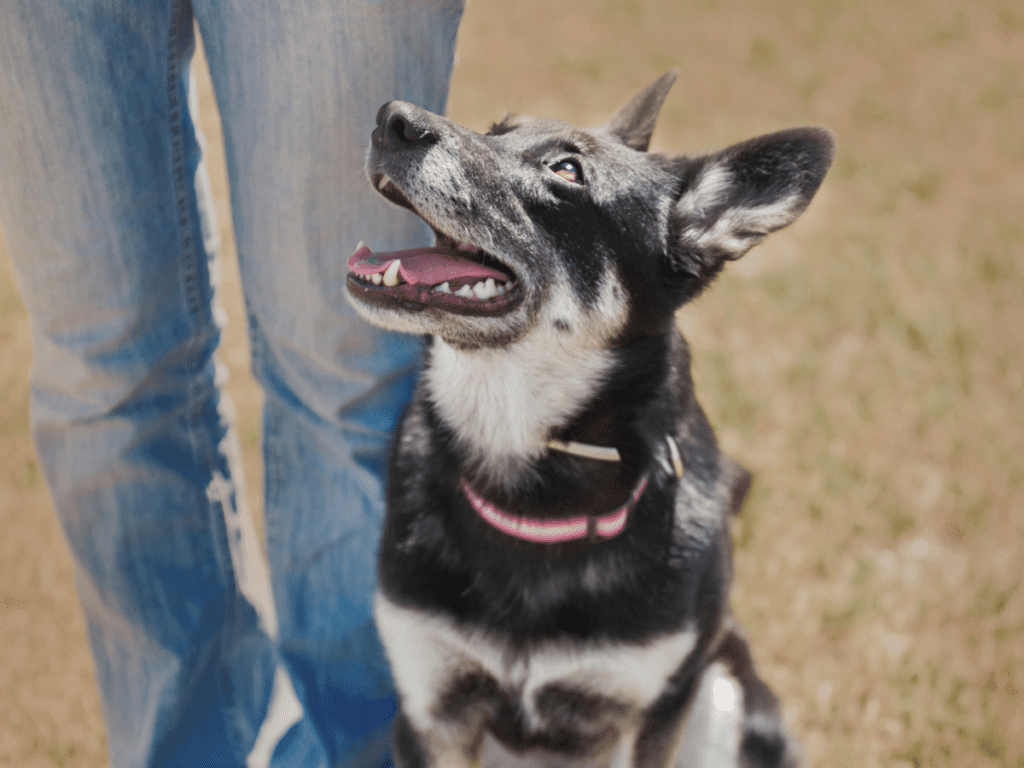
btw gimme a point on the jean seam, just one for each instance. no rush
(268, 439)
(180, 21)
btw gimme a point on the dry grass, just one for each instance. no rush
(866, 364)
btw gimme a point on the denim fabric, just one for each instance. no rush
(104, 203)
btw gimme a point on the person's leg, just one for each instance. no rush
(299, 85)
(100, 201)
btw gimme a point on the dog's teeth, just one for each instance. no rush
(376, 278)
(360, 246)
(465, 292)
(485, 290)
(500, 290)
(442, 288)
(391, 273)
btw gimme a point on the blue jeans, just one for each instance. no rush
(202, 656)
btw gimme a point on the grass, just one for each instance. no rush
(866, 364)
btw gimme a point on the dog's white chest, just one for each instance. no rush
(430, 656)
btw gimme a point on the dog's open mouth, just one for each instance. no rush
(454, 277)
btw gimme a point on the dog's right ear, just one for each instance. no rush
(731, 200)
(633, 125)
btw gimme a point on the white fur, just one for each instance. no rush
(427, 651)
(711, 189)
(739, 229)
(713, 732)
(504, 403)
(634, 673)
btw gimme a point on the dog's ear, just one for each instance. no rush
(731, 200)
(633, 124)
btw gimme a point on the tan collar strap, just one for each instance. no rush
(599, 452)
(603, 453)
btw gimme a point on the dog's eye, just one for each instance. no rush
(569, 170)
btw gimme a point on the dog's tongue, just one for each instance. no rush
(429, 266)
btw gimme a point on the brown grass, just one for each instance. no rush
(866, 364)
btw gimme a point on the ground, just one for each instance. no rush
(866, 364)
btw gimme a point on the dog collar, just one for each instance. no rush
(587, 451)
(557, 530)
(603, 453)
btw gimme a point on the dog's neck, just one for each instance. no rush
(505, 404)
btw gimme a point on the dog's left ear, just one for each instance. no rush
(634, 123)
(731, 200)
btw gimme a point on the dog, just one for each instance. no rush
(555, 564)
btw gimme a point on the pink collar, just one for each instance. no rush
(558, 530)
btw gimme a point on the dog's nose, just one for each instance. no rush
(401, 125)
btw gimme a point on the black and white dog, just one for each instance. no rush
(555, 567)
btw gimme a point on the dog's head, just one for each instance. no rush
(583, 233)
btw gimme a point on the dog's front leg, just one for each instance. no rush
(765, 742)
(662, 733)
